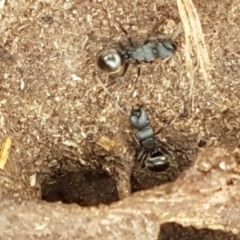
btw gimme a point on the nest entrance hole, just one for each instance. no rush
(85, 187)
(174, 231)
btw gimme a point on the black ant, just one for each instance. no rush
(116, 59)
(154, 154)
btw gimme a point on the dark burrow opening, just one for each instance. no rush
(84, 187)
(67, 181)
(173, 231)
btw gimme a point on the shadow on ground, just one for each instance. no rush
(173, 231)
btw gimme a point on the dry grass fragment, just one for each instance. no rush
(194, 44)
(4, 153)
(107, 143)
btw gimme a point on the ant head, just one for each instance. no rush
(110, 61)
(166, 48)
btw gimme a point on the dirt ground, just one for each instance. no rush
(53, 107)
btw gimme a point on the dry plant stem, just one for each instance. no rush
(205, 196)
(194, 43)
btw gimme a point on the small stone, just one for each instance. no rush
(33, 180)
(2, 3)
(67, 6)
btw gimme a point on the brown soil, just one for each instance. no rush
(53, 107)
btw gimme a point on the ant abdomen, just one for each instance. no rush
(157, 162)
(110, 61)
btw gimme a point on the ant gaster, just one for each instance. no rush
(153, 155)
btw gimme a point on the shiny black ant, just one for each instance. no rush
(115, 60)
(154, 154)
(118, 59)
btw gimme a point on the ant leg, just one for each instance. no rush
(123, 29)
(113, 44)
(126, 67)
(164, 146)
(130, 42)
(156, 26)
(171, 36)
(105, 88)
(154, 31)
(118, 45)
(139, 73)
(142, 156)
(111, 81)
(126, 33)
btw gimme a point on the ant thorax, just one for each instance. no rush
(127, 55)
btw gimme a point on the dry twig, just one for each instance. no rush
(194, 43)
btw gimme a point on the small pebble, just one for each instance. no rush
(2, 3)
